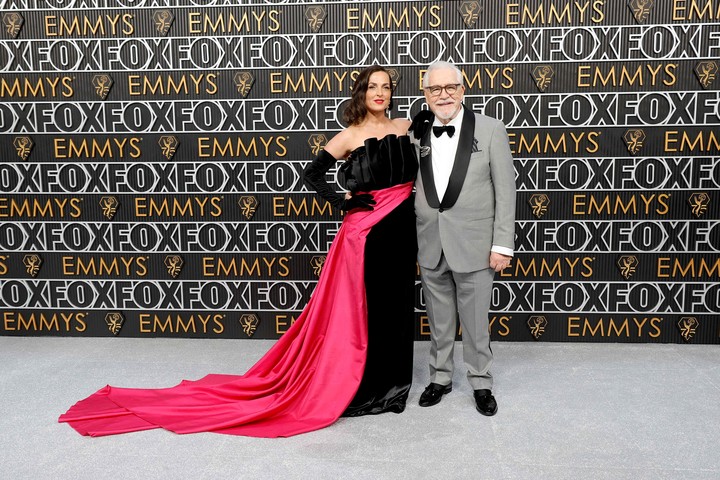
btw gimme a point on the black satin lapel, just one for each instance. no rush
(462, 160)
(426, 170)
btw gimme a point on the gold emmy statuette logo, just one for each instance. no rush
(317, 142)
(102, 83)
(114, 322)
(32, 264)
(13, 23)
(168, 145)
(470, 11)
(315, 17)
(163, 19)
(109, 206)
(248, 206)
(706, 72)
(539, 203)
(634, 139)
(174, 264)
(394, 76)
(249, 323)
(317, 264)
(699, 203)
(627, 265)
(23, 145)
(244, 82)
(537, 324)
(688, 326)
(543, 74)
(640, 9)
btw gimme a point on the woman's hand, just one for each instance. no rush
(359, 200)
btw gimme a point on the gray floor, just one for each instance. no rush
(566, 411)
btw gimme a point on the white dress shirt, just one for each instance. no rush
(444, 148)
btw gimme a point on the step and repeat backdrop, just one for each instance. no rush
(151, 156)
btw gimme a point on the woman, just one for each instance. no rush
(379, 156)
(343, 354)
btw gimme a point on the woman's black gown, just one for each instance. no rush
(390, 271)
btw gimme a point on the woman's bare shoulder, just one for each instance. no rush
(402, 125)
(342, 143)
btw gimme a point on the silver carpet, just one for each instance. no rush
(566, 411)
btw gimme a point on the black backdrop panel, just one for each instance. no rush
(151, 157)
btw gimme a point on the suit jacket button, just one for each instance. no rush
(440, 210)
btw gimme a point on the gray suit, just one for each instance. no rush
(455, 235)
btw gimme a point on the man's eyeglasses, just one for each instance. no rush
(436, 89)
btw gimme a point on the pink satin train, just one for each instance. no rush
(303, 383)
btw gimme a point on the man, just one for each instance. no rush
(465, 207)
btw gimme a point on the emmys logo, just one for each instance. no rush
(249, 323)
(537, 324)
(640, 9)
(13, 23)
(699, 203)
(32, 264)
(688, 327)
(470, 11)
(542, 75)
(102, 83)
(706, 72)
(243, 82)
(174, 264)
(114, 322)
(23, 145)
(627, 265)
(539, 204)
(315, 17)
(248, 206)
(168, 145)
(163, 19)
(109, 206)
(317, 264)
(634, 139)
(317, 142)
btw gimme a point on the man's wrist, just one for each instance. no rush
(508, 252)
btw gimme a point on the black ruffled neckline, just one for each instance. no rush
(380, 163)
(367, 144)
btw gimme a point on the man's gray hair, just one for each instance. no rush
(441, 65)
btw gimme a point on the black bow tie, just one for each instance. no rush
(449, 129)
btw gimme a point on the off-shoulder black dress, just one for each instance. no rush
(390, 272)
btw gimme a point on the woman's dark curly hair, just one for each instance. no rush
(356, 110)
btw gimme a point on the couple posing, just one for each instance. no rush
(350, 352)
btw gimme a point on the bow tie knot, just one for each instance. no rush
(449, 129)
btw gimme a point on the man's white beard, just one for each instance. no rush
(447, 116)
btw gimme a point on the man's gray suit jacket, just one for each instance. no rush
(478, 208)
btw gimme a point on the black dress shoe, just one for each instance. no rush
(433, 394)
(485, 402)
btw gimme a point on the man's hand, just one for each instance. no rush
(498, 262)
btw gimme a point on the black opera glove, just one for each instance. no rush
(421, 123)
(358, 200)
(314, 176)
